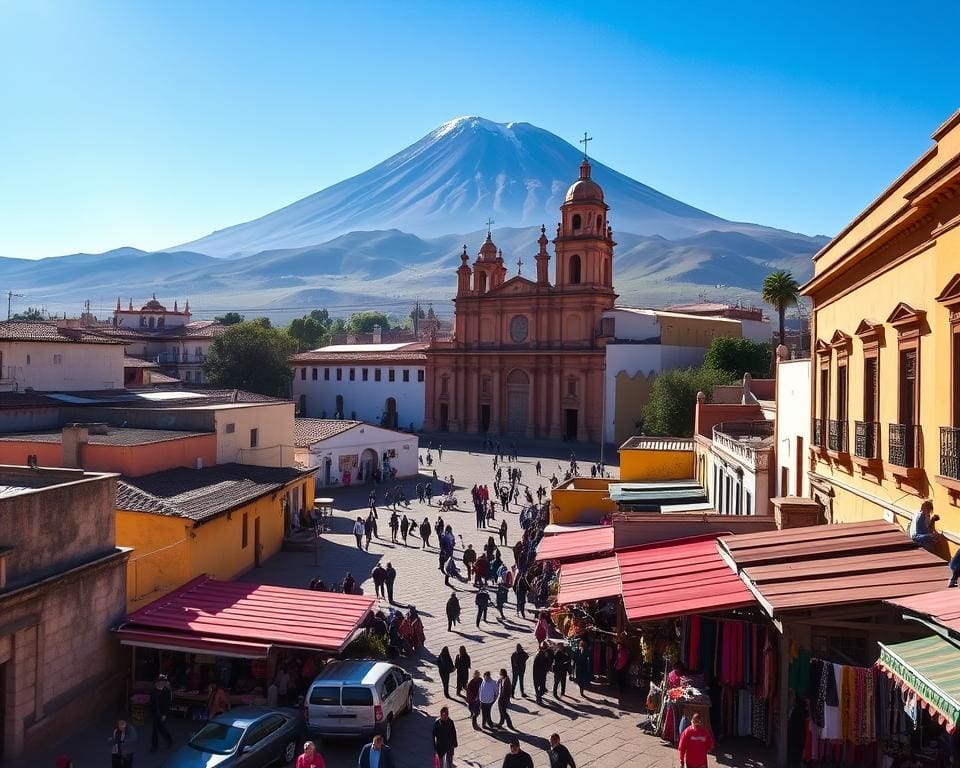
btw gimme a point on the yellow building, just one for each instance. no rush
(220, 521)
(886, 360)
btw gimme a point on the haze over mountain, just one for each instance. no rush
(394, 233)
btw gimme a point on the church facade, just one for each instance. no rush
(527, 356)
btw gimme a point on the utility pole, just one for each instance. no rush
(10, 297)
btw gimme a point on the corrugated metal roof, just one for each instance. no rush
(639, 443)
(206, 610)
(839, 564)
(678, 577)
(589, 580)
(941, 607)
(931, 668)
(576, 544)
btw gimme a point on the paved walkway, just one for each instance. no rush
(597, 730)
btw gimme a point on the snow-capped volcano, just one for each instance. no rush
(451, 181)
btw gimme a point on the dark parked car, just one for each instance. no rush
(251, 737)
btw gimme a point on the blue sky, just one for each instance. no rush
(153, 123)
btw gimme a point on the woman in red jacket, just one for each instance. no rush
(695, 742)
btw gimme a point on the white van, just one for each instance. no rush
(357, 698)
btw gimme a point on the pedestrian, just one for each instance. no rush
(503, 533)
(539, 467)
(445, 669)
(695, 742)
(518, 666)
(425, 533)
(358, 530)
(502, 593)
(450, 569)
(469, 558)
(462, 664)
(372, 499)
(582, 665)
(440, 452)
(516, 757)
(453, 613)
(391, 578)
(520, 587)
(429, 491)
(217, 701)
(541, 664)
(121, 751)
(542, 630)
(504, 693)
(558, 755)
(394, 526)
(310, 757)
(483, 602)
(621, 666)
(561, 668)
(368, 530)
(349, 584)
(444, 739)
(161, 700)
(379, 574)
(488, 697)
(376, 754)
(404, 529)
(473, 697)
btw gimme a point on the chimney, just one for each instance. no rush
(74, 437)
(377, 334)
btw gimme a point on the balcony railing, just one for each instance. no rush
(903, 445)
(950, 452)
(867, 440)
(837, 436)
(747, 441)
(816, 431)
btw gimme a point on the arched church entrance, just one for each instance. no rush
(390, 413)
(368, 464)
(518, 402)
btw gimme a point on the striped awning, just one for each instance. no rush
(931, 669)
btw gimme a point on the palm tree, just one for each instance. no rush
(780, 290)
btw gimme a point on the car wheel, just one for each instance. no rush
(388, 729)
(289, 752)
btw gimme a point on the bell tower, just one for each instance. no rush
(584, 242)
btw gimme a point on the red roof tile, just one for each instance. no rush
(575, 545)
(310, 431)
(39, 330)
(589, 580)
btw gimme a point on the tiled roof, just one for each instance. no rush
(362, 353)
(639, 443)
(201, 329)
(310, 431)
(136, 362)
(114, 436)
(201, 494)
(23, 330)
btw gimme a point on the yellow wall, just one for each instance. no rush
(639, 465)
(160, 560)
(582, 500)
(693, 331)
(632, 395)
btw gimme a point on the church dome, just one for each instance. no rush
(488, 251)
(584, 189)
(154, 306)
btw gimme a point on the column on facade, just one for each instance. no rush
(555, 373)
(532, 397)
(586, 412)
(456, 398)
(472, 397)
(543, 398)
(496, 411)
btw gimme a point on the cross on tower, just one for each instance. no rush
(584, 141)
(490, 223)
(519, 265)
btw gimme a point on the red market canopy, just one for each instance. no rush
(241, 619)
(576, 545)
(941, 607)
(589, 580)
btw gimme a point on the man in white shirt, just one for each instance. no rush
(488, 696)
(358, 530)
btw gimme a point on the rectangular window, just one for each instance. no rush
(353, 374)
(955, 374)
(391, 375)
(909, 396)
(749, 504)
(326, 374)
(376, 374)
(303, 374)
(245, 533)
(420, 375)
(57, 359)
(230, 428)
(364, 373)
(339, 374)
(406, 375)
(254, 437)
(313, 374)
(871, 389)
(842, 392)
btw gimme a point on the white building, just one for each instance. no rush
(377, 383)
(351, 452)
(793, 426)
(40, 356)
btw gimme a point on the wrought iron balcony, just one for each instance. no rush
(950, 452)
(837, 436)
(816, 432)
(867, 440)
(904, 445)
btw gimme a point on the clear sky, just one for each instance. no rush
(153, 123)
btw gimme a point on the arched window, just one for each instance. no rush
(482, 282)
(574, 269)
(151, 322)
(605, 272)
(576, 221)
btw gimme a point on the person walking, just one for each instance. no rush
(372, 501)
(541, 665)
(518, 666)
(520, 588)
(502, 593)
(504, 694)
(695, 742)
(488, 697)
(483, 602)
(516, 757)
(440, 452)
(379, 574)
(391, 578)
(561, 668)
(462, 664)
(453, 616)
(558, 755)
(349, 584)
(368, 530)
(404, 529)
(161, 700)
(582, 665)
(121, 752)
(481, 569)
(539, 466)
(450, 569)
(394, 526)
(376, 754)
(358, 530)
(473, 698)
(425, 532)
(469, 558)
(444, 739)
(445, 669)
(310, 757)
(503, 533)
(428, 491)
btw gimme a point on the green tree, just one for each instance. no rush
(781, 291)
(736, 357)
(673, 399)
(363, 322)
(229, 318)
(251, 356)
(313, 330)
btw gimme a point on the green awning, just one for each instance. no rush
(930, 668)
